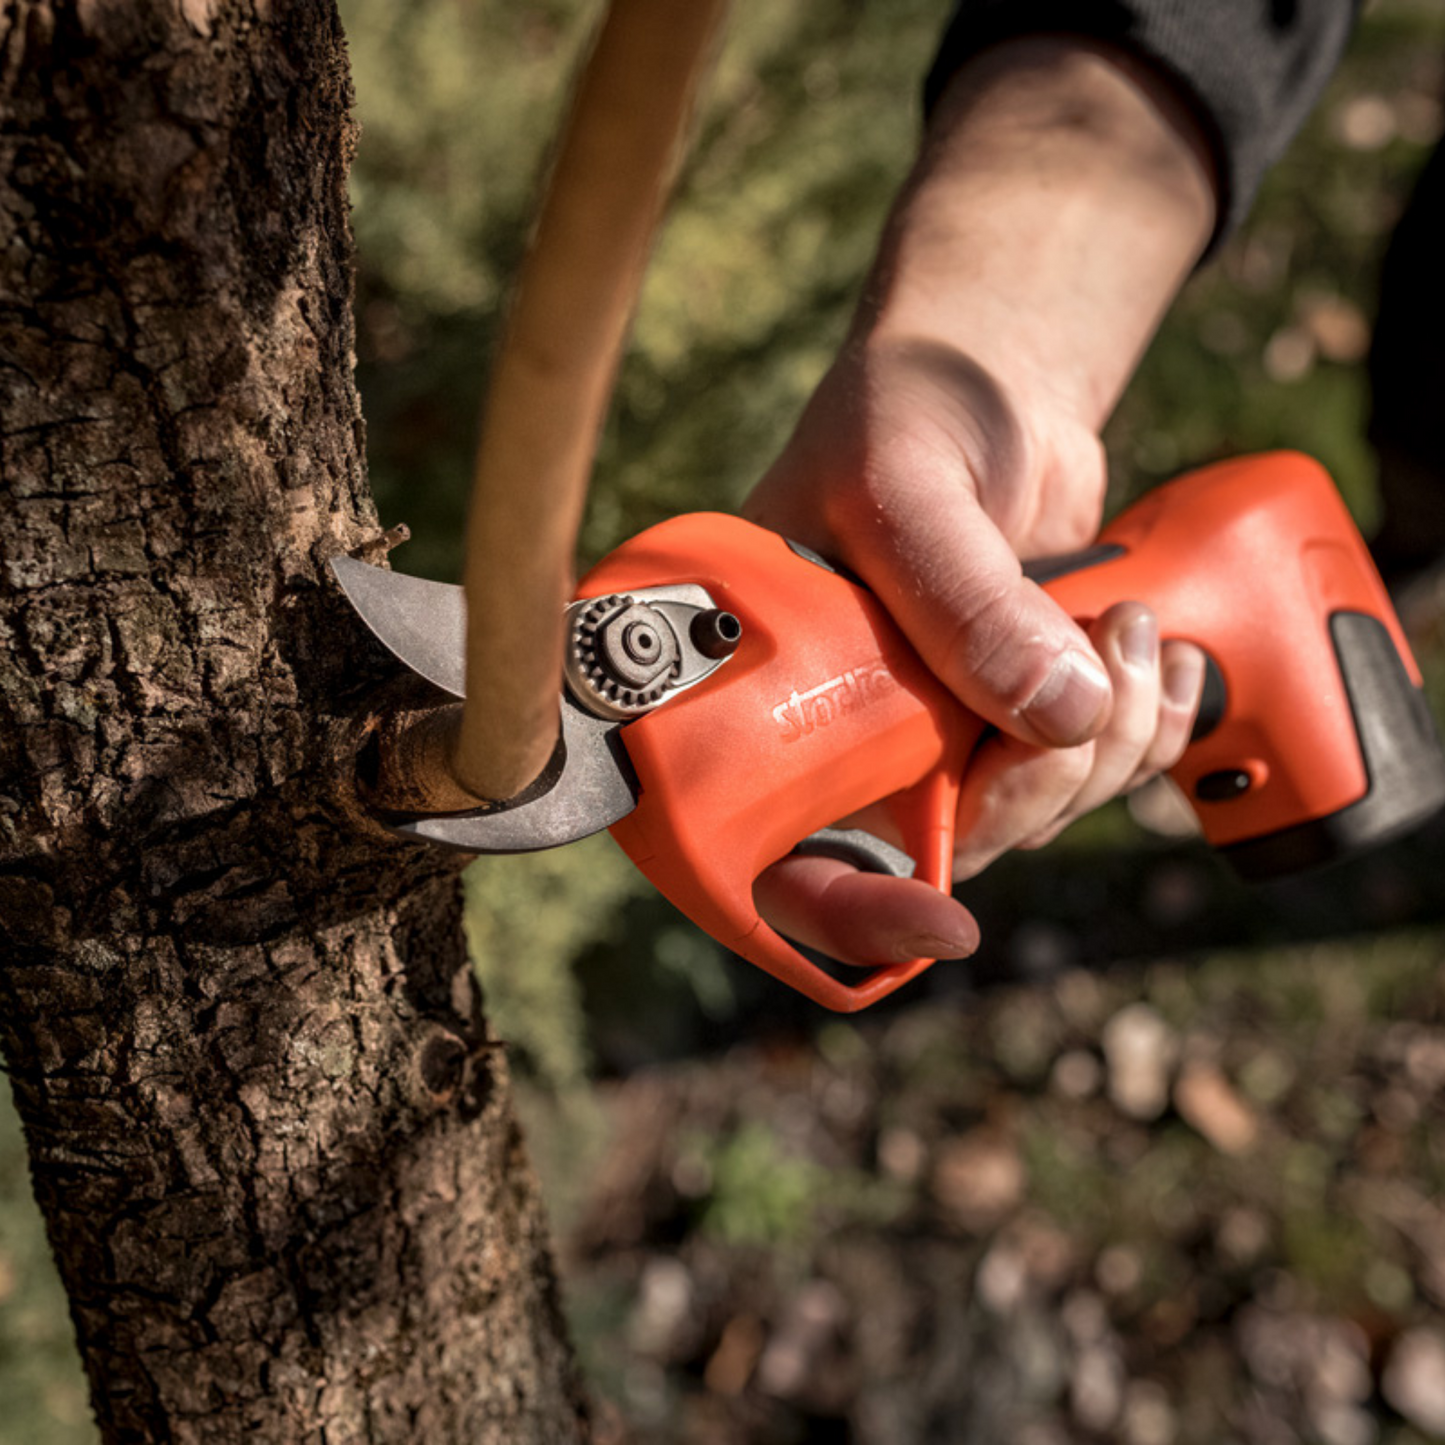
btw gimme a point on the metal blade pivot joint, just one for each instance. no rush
(626, 653)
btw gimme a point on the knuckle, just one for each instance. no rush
(996, 646)
(1072, 767)
(1165, 751)
(1046, 791)
(987, 613)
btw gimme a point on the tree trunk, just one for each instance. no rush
(274, 1149)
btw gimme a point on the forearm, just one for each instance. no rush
(1062, 196)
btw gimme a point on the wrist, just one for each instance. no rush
(1062, 196)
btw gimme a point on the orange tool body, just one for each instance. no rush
(825, 708)
(730, 695)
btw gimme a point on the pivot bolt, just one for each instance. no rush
(622, 658)
(635, 647)
(626, 654)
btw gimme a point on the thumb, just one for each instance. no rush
(997, 640)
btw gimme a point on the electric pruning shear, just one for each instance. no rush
(729, 695)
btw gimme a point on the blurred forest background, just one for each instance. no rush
(1165, 1163)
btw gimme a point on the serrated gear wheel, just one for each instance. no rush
(622, 656)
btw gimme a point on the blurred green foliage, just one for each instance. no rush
(528, 917)
(41, 1388)
(759, 1193)
(809, 124)
(1265, 346)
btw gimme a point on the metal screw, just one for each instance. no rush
(635, 647)
(642, 642)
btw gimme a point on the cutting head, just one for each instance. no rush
(670, 636)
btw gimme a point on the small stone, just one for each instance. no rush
(1077, 1074)
(1139, 1049)
(1337, 1424)
(979, 1179)
(845, 1101)
(1096, 1391)
(1242, 1236)
(664, 1305)
(1338, 1363)
(1338, 327)
(1325, 1360)
(1081, 1000)
(1414, 1379)
(809, 1325)
(1208, 1101)
(1425, 1062)
(1003, 1279)
(1289, 354)
(901, 1154)
(1364, 123)
(1119, 1270)
(1148, 1418)
(1267, 1341)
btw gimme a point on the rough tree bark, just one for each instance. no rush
(274, 1149)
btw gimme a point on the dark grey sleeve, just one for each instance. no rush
(1251, 69)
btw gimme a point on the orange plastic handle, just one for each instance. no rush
(1250, 559)
(825, 708)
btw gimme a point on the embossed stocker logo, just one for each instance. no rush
(805, 712)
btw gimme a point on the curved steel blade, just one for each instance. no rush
(588, 786)
(421, 623)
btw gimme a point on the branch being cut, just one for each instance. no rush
(553, 380)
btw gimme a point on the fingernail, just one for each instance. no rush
(1071, 701)
(933, 945)
(1140, 642)
(1182, 681)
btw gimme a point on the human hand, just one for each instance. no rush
(918, 470)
